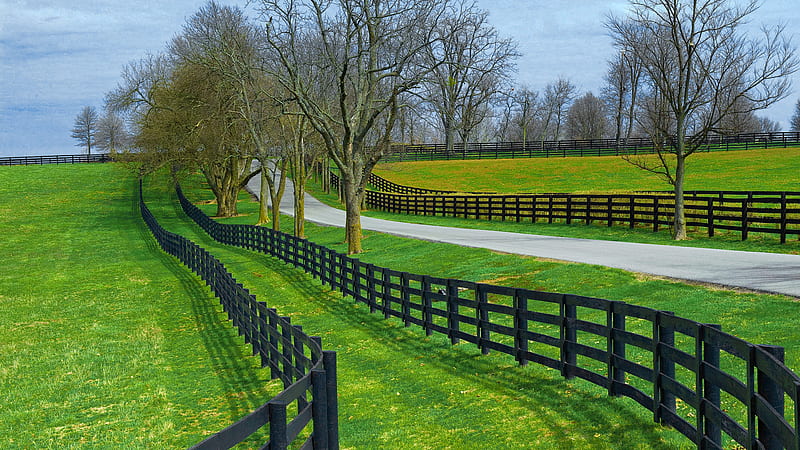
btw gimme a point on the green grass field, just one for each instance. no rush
(770, 169)
(108, 342)
(758, 318)
(105, 341)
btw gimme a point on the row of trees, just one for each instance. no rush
(107, 133)
(341, 80)
(308, 80)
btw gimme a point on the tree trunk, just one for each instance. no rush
(353, 216)
(226, 203)
(299, 209)
(263, 209)
(449, 137)
(276, 194)
(299, 177)
(679, 230)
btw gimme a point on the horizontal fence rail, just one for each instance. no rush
(53, 159)
(293, 356)
(730, 391)
(744, 212)
(586, 147)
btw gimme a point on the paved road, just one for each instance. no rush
(768, 272)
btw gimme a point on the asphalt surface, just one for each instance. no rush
(766, 272)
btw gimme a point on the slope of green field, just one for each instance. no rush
(770, 169)
(105, 341)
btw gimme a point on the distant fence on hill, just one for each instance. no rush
(293, 356)
(53, 159)
(729, 389)
(586, 147)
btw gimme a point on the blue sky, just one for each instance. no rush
(58, 56)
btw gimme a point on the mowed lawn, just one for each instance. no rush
(770, 169)
(565, 414)
(105, 341)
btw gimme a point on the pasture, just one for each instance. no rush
(767, 170)
(108, 342)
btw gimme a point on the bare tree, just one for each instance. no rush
(528, 109)
(700, 62)
(112, 135)
(471, 66)
(363, 55)
(556, 101)
(794, 124)
(134, 98)
(766, 125)
(133, 95)
(586, 118)
(85, 128)
(621, 92)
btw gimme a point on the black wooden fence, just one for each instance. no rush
(587, 147)
(293, 356)
(739, 211)
(729, 390)
(53, 159)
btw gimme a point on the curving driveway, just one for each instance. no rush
(767, 272)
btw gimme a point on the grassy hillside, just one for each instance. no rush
(105, 341)
(770, 169)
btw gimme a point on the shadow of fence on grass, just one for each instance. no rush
(308, 372)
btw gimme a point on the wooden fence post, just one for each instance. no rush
(521, 327)
(616, 347)
(319, 408)
(427, 315)
(405, 299)
(711, 392)
(783, 213)
(387, 294)
(329, 363)
(482, 319)
(745, 213)
(710, 217)
(569, 334)
(452, 312)
(655, 214)
(772, 392)
(662, 366)
(277, 425)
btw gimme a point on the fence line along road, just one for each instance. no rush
(293, 356)
(745, 212)
(730, 391)
(766, 272)
(586, 147)
(54, 159)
